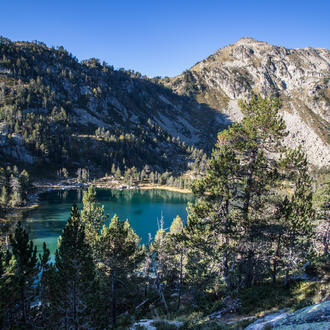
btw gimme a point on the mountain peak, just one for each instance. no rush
(248, 41)
(248, 66)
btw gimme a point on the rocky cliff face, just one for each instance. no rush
(53, 101)
(89, 114)
(300, 77)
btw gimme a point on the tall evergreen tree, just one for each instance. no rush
(259, 134)
(4, 197)
(9, 291)
(298, 215)
(175, 249)
(160, 260)
(177, 258)
(75, 276)
(119, 255)
(46, 288)
(16, 190)
(226, 228)
(213, 215)
(24, 180)
(25, 254)
(92, 216)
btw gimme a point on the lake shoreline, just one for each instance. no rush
(101, 184)
(162, 187)
(45, 186)
(143, 207)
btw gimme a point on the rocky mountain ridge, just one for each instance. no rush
(300, 77)
(51, 104)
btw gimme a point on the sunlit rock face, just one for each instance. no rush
(300, 77)
(311, 317)
(193, 106)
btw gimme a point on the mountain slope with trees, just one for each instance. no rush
(67, 114)
(299, 77)
(54, 109)
(251, 243)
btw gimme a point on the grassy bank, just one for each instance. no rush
(163, 187)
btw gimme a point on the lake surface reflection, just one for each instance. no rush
(141, 207)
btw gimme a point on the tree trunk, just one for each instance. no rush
(250, 275)
(277, 255)
(23, 307)
(326, 241)
(161, 295)
(75, 314)
(226, 266)
(287, 278)
(287, 271)
(249, 183)
(113, 301)
(274, 270)
(246, 207)
(180, 281)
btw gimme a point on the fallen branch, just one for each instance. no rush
(143, 302)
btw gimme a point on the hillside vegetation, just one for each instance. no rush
(253, 243)
(59, 113)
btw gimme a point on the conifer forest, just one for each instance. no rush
(195, 196)
(258, 222)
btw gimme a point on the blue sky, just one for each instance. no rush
(163, 37)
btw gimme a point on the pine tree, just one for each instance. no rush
(4, 197)
(119, 254)
(113, 169)
(147, 268)
(75, 275)
(159, 249)
(16, 189)
(177, 259)
(92, 216)
(9, 291)
(160, 259)
(118, 173)
(25, 254)
(24, 180)
(46, 287)
(16, 198)
(226, 233)
(298, 216)
(215, 210)
(259, 134)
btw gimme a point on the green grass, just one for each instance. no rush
(256, 301)
(271, 297)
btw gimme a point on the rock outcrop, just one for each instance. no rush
(300, 77)
(311, 317)
(46, 91)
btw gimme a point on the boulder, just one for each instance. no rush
(311, 317)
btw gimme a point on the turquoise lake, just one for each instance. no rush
(143, 208)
